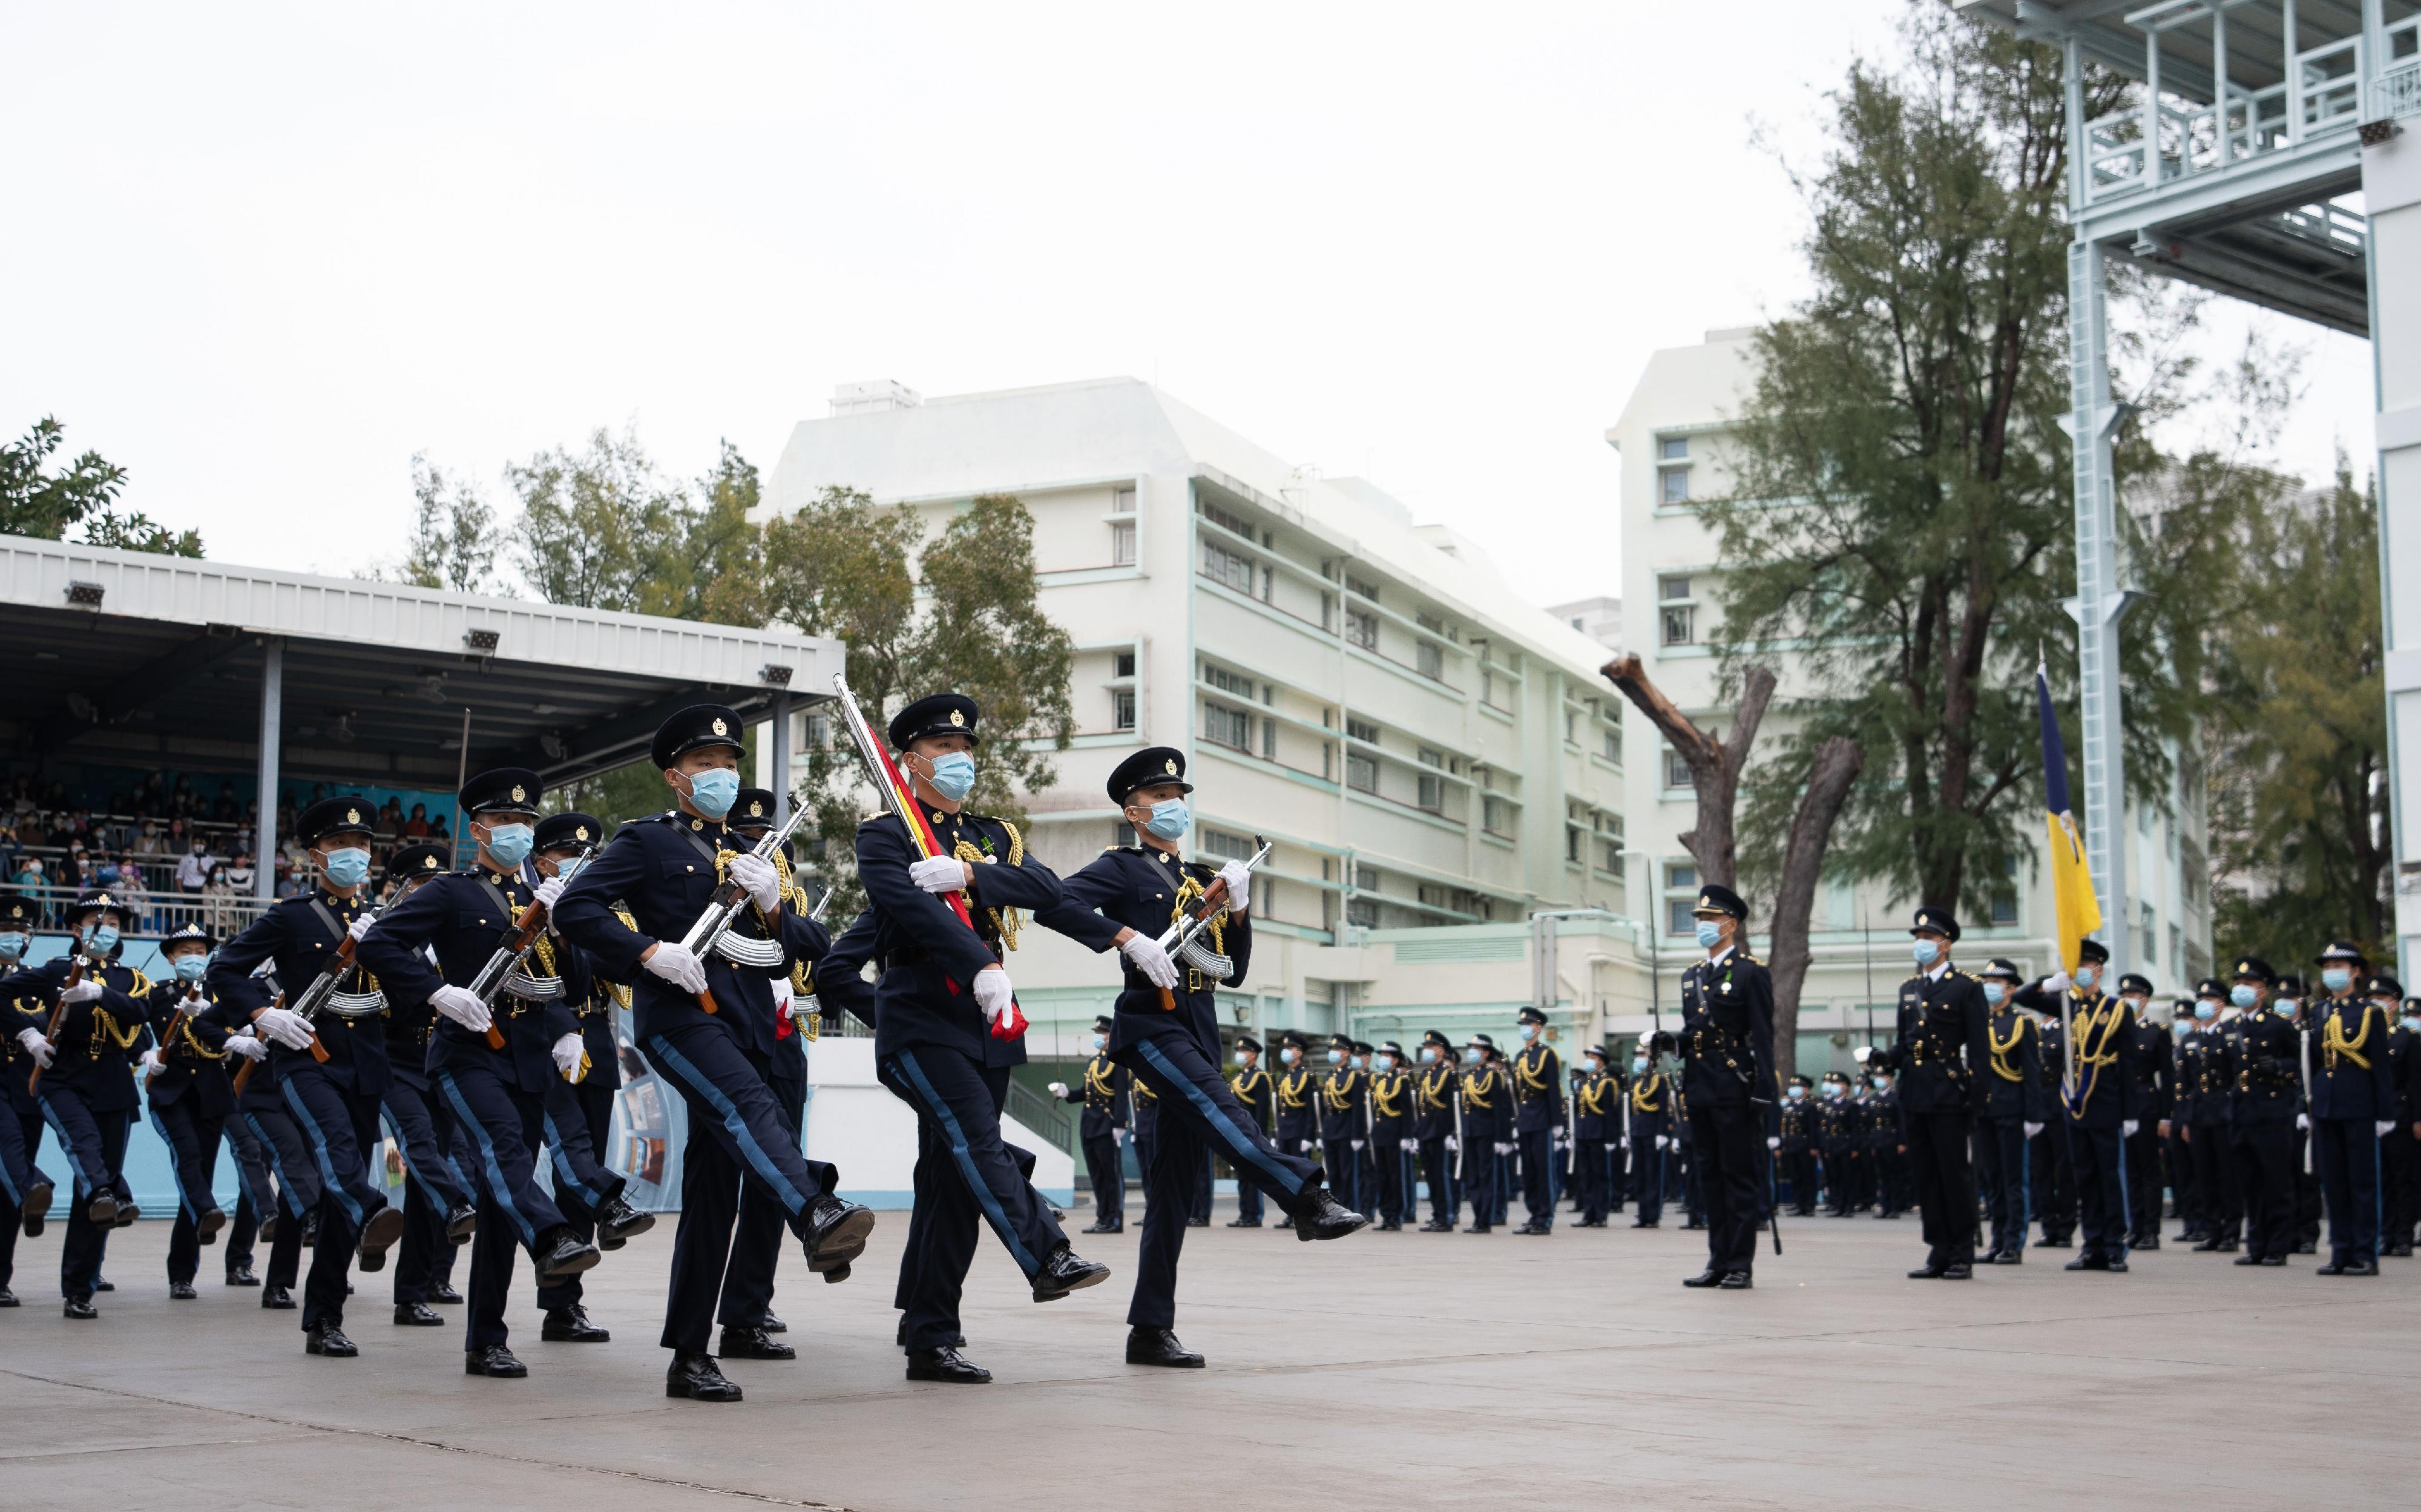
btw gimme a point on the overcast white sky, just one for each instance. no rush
(261, 256)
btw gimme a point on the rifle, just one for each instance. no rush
(1207, 909)
(2303, 1050)
(176, 1021)
(515, 948)
(58, 1017)
(243, 1072)
(723, 905)
(886, 775)
(315, 991)
(813, 1004)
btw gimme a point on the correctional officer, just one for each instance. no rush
(947, 1027)
(2208, 1077)
(1538, 1120)
(1390, 1156)
(708, 1025)
(84, 1039)
(2096, 1101)
(1795, 1161)
(2292, 1000)
(2265, 1062)
(1596, 1137)
(281, 1177)
(1840, 1137)
(1343, 1121)
(490, 1061)
(2399, 1169)
(2154, 1074)
(2353, 1103)
(1165, 1032)
(1650, 1128)
(1938, 1053)
(2013, 1111)
(185, 1087)
(26, 1190)
(1298, 1100)
(1729, 1086)
(438, 1215)
(1257, 1094)
(1487, 1128)
(1104, 1128)
(2051, 1175)
(1436, 1108)
(1886, 1134)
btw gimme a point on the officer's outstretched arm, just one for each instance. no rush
(1029, 885)
(393, 950)
(584, 913)
(883, 855)
(1094, 887)
(229, 978)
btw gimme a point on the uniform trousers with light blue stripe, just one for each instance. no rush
(423, 1130)
(578, 1120)
(737, 1136)
(342, 1128)
(505, 1128)
(757, 1240)
(2347, 1152)
(285, 1155)
(1198, 1113)
(976, 1180)
(95, 1141)
(21, 1135)
(193, 1140)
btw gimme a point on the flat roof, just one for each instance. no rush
(134, 659)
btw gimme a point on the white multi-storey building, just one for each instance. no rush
(1423, 747)
(1672, 438)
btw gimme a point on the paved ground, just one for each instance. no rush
(1387, 1371)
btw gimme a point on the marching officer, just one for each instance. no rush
(1298, 1101)
(438, 1215)
(2099, 1102)
(1596, 1137)
(1392, 1145)
(82, 1039)
(1840, 1137)
(2203, 1067)
(708, 1024)
(2353, 1104)
(491, 1062)
(1729, 1086)
(2265, 1063)
(1939, 1051)
(1103, 1130)
(1257, 1094)
(185, 1084)
(25, 1191)
(281, 1177)
(2154, 1066)
(1651, 1128)
(2013, 1112)
(1435, 1106)
(1487, 1125)
(1538, 1120)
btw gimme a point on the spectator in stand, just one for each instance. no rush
(287, 885)
(150, 802)
(193, 867)
(149, 843)
(240, 876)
(416, 827)
(31, 874)
(225, 810)
(218, 903)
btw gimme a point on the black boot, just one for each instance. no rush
(562, 1252)
(241, 1276)
(418, 1315)
(774, 1325)
(206, 1229)
(80, 1307)
(619, 1223)
(495, 1361)
(37, 1207)
(276, 1299)
(443, 1292)
(461, 1221)
(1737, 1281)
(182, 1291)
(8, 1299)
(102, 1213)
(1159, 1347)
(753, 1343)
(571, 1325)
(1324, 1216)
(1708, 1277)
(379, 1232)
(833, 1227)
(1062, 1273)
(945, 1364)
(694, 1375)
(325, 1337)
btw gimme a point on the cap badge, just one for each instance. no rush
(720, 727)
(520, 794)
(957, 717)
(579, 832)
(2244, 967)
(353, 816)
(755, 808)
(1706, 900)
(429, 862)
(1171, 766)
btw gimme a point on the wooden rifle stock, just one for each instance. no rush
(1213, 898)
(58, 1019)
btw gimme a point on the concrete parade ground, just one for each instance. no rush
(1386, 1371)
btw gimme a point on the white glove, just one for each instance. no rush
(1238, 879)
(1118, 1137)
(673, 961)
(1357, 1143)
(1661, 1142)
(83, 992)
(2128, 1126)
(37, 1047)
(2303, 1120)
(286, 1026)
(1622, 1143)
(756, 874)
(548, 891)
(1451, 1143)
(2384, 1128)
(1151, 960)
(566, 1053)
(939, 874)
(245, 1047)
(1412, 1146)
(2032, 1129)
(1503, 1148)
(1059, 1090)
(2056, 983)
(1863, 1053)
(1305, 1144)
(361, 925)
(151, 1063)
(992, 991)
(1771, 1142)
(462, 1005)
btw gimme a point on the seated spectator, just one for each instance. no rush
(147, 842)
(225, 810)
(287, 885)
(240, 875)
(416, 827)
(32, 873)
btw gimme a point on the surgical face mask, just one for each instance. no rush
(349, 868)
(1471, 1057)
(511, 843)
(1429, 1054)
(2411, 1021)
(713, 791)
(1355, 1062)
(189, 968)
(1882, 1084)
(1926, 952)
(12, 944)
(2285, 1005)
(2241, 996)
(954, 777)
(1170, 818)
(2087, 976)
(2385, 1005)
(1337, 1057)
(1995, 991)
(1383, 1063)
(2205, 1010)
(1833, 1089)
(1797, 1093)
(2337, 978)
(2137, 1004)
(1529, 1030)
(1239, 1057)
(1710, 934)
(1290, 1055)
(1639, 1066)
(101, 939)
(1595, 1068)
(1100, 1041)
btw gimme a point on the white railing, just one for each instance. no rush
(2397, 91)
(2184, 139)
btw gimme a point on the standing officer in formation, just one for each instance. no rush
(1103, 1130)
(2353, 1104)
(1938, 1052)
(1651, 1121)
(2097, 1104)
(1257, 1094)
(1538, 1120)
(1840, 1135)
(2155, 1076)
(25, 1191)
(1391, 1146)
(438, 1215)
(1298, 1100)
(1487, 1125)
(2206, 1102)
(185, 1085)
(1343, 1127)
(2264, 1057)
(2014, 1111)
(2399, 1172)
(1436, 1106)
(1597, 1138)
(1795, 1160)
(1729, 1087)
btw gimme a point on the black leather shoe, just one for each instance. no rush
(379, 1232)
(1736, 1280)
(2117, 1266)
(1989, 1258)
(1695, 1224)
(326, 1338)
(694, 1375)
(2335, 1267)
(2307, 1247)
(1064, 1272)
(443, 1292)
(8, 1299)
(1283, 1223)
(838, 1274)
(460, 1223)
(2274, 1259)
(562, 1252)
(1244, 1222)
(1534, 1228)
(619, 1223)
(1708, 1277)
(2150, 1241)
(2226, 1246)
(753, 1343)
(2246, 1259)
(1478, 1228)
(206, 1229)
(1636, 1224)
(2363, 1267)
(80, 1307)
(1159, 1347)
(37, 1207)
(571, 1325)
(2086, 1262)
(104, 1283)
(418, 1315)
(1099, 1228)
(1389, 1225)
(267, 1233)
(494, 1361)
(774, 1325)
(1927, 1272)
(2205, 1246)
(1197, 1223)
(835, 1226)
(1958, 1272)
(2010, 1257)
(276, 1299)
(945, 1364)
(102, 1213)
(182, 1291)
(1326, 1218)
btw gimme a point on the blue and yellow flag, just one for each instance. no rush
(2077, 914)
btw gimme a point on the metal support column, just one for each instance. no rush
(781, 783)
(273, 702)
(2100, 603)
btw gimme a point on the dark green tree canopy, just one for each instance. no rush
(36, 500)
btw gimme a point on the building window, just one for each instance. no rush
(1365, 879)
(1361, 772)
(2177, 943)
(1676, 771)
(1122, 709)
(1432, 623)
(1269, 584)
(1270, 739)
(1226, 568)
(1493, 816)
(1228, 519)
(1572, 837)
(1233, 847)
(1429, 659)
(1364, 586)
(1226, 726)
(1226, 682)
(815, 732)
(1362, 730)
(1610, 745)
(2005, 907)
(1613, 855)
(1122, 544)
(1362, 914)
(1678, 619)
(1362, 629)
(1673, 449)
(1123, 665)
(1680, 897)
(1673, 486)
(1122, 501)
(2151, 934)
(1432, 792)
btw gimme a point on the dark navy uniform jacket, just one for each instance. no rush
(1940, 1019)
(1343, 1094)
(661, 868)
(2346, 1034)
(1487, 1106)
(1538, 1088)
(2206, 1090)
(1651, 1098)
(1596, 1104)
(2105, 1055)
(1391, 1107)
(1840, 1123)
(2013, 1079)
(463, 917)
(193, 1061)
(1137, 889)
(1257, 1091)
(1103, 1090)
(99, 1041)
(293, 937)
(1298, 1093)
(2403, 1044)
(2156, 1071)
(1728, 1036)
(839, 980)
(925, 951)
(2265, 1058)
(1434, 1088)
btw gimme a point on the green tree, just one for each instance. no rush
(594, 523)
(40, 502)
(711, 566)
(454, 540)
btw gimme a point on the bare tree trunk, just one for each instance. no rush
(1715, 762)
(1837, 762)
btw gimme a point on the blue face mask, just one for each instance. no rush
(2206, 1010)
(2086, 976)
(2337, 978)
(1356, 1063)
(2241, 996)
(1995, 991)
(1290, 1055)
(2410, 1022)
(1471, 1057)
(1100, 1041)
(1337, 1057)
(101, 939)
(1239, 1057)
(954, 775)
(713, 791)
(1429, 1054)
(1882, 1083)
(14, 944)
(1710, 934)
(1639, 1066)
(1926, 952)
(349, 868)
(189, 968)
(511, 843)
(1170, 818)
(1797, 1093)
